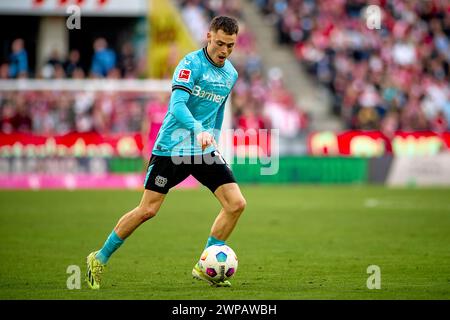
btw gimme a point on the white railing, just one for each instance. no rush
(130, 85)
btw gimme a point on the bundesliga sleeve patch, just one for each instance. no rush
(184, 75)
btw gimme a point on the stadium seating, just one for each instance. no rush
(394, 78)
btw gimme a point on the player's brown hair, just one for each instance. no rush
(226, 24)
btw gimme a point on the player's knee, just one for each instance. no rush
(241, 205)
(146, 213)
(237, 206)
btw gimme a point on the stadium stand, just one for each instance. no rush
(259, 101)
(394, 78)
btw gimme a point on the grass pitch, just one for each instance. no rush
(293, 242)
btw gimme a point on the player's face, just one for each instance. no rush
(220, 46)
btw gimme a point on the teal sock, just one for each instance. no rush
(111, 244)
(213, 241)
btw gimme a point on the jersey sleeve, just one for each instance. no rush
(181, 112)
(186, 73)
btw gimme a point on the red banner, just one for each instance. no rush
(375, 143)
(73, 144)
(248, 143)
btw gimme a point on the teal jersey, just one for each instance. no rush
(200, 89)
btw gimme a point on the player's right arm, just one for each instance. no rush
(182, 84)
(181, 112)
(178, 108)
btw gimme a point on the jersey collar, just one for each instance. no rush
(210, 60)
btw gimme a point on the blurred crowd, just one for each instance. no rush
(259, 99)
(56, 112)
(105, 63)
(59, 112)
(393, 78)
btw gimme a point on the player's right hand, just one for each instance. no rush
(205, 139)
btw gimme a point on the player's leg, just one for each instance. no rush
(148, 207)
(233, 204)
(216, 175)
(96, 261)
(162, 174)
(220, 180)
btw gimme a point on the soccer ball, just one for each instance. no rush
(218, 262)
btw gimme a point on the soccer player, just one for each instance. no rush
(187, 145)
